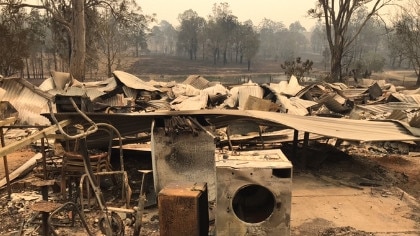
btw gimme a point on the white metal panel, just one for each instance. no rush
(28, 103)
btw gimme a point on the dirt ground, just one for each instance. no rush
(358, 167)
(16, 159)
(325, 194)
(164, 66)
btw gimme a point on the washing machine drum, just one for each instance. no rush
(252, 202)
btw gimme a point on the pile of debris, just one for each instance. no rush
(124, 93)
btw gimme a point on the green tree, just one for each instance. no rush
(156, 40)
(191, 26)
(395, 50)
(170, 34)
(222, 24)
(250, 43)
(318, 39)
(296, 27)
(119, 26)
(214, 39)
(297, 67)
(37, 35)
(14, 41)
(75, 27)
(295, 39)
(279, 42)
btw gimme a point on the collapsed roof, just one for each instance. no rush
(285, 105)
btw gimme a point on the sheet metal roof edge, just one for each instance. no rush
(133, 81)
(346, 129)
(30, 86)
(413, 130)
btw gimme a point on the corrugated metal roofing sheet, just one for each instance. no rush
(197, 82)
(133, 81)
(354, 93)
(408, 98)
(388, 107)
(129, 92)
(370, 82)
(398, 115)
(415, 91)
(92, 93)
(105, 86)
(27, 99)
(415, 121)
(116, 101)
(335, 103)
(346, 129)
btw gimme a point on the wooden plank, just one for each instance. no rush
(7, 121)
(30, 139)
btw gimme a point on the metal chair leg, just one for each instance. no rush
(73, 207)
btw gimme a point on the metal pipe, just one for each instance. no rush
(295, 143)
(91, 129)
(140, 207)
(44, 159)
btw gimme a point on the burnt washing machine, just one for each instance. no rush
(253, 193)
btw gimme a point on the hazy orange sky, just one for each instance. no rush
(285, 11)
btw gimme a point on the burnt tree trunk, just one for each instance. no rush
(418, 79)
(109, 60)
(336, 55)
(78, 41)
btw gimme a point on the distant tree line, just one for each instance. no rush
(350, 38)
(222, 39)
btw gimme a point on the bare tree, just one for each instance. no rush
(407, 34)
(71, 15)
(337, 15)
(75, 27)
